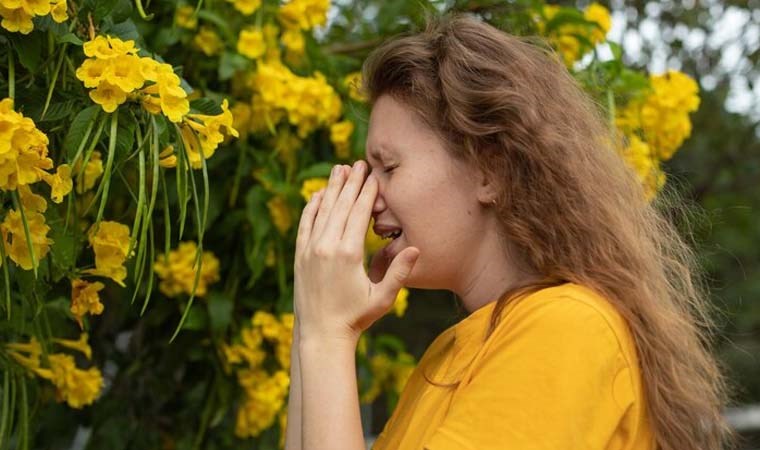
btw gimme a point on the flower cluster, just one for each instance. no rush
(307, 102)
(208, 41)
(663, 116)
(246, 7)
(177, 271)
(388, 374)
(17, 15)
(280, 213)
(656, 125)
(340, 136)
(304, 14)
(85, 299)
(110, 242)
(24, 161)
(264, 393)
(573, 39)
(77, 387)
(116, 72)
(201, 134)
(353, 83)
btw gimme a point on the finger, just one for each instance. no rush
(384, 293)
(360, 215)
(306, 224)
(334, 186)
(344, 207)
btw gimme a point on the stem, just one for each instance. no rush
(141, 10)
(27, 234)
(54, 80)
(11, 75)
(109, 165)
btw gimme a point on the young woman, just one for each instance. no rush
(495, 176)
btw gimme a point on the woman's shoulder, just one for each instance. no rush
(568, 311)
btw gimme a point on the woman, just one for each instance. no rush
(495, 176)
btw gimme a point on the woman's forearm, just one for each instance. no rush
(331, 418)
(293, 432)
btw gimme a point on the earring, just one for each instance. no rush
(493, 202)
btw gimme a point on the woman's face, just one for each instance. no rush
(427, 194)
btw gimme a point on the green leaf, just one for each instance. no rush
(220, 308)
(125, 30)
(206, 106)
(78, 130)
(59, 110)
(197, 318)
(230, 63)
(69, 38)
(29, 50)
(64, 251)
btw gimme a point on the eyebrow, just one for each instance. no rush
(377, 154)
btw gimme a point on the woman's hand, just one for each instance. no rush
(333, 296)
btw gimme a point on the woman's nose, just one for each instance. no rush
(379, 205)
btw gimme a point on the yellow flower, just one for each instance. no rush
(353, 82)
(207, 41)
(340, 136)
(311, 186)
(110, 242)
(184, 16)
(14, 238)
(251, 43)
(399, 305)
(601, 16)
(665, 113)
(16, 20)
(293, 40)
(280, 213)
(264, 398)
(92, 171)
(373, 242)
(92, 72)
(171, 98)
(60, 183)
(23, 149)
(80, 345)
(177, 271)
(124, 72)
(85, 299)
(108, 96)
(33, 350)
(75, 386)
(59, 12)
(565, 37)
(307, 102)
(304, 14)
(203, 133)
(641, 159)
(246, 7)
(268, 324)
(31, 201)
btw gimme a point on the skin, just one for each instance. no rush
(449, 241)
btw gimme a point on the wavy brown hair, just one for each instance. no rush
(568, 202)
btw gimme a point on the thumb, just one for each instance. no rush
(397, 274)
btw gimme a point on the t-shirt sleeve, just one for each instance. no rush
(547, 380)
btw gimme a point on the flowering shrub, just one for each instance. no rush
(153, 162)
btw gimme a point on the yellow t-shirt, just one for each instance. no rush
(559, 372)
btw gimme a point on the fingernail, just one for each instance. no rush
(357, 167)
(334, 170)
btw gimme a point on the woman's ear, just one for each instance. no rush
(487, 189)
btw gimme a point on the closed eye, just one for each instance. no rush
(390, 169)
